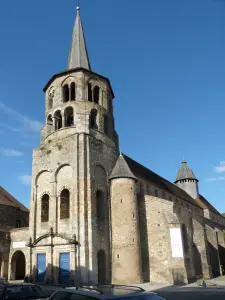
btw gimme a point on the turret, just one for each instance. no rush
(187, 181)
(126, 252)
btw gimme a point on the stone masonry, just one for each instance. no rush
(96, 215)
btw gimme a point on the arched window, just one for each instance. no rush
(58, 120)
(185, 239)
(72, 91)
(69, 117)
(89, 92)
(45, 208)
(65, 204)
(93, 119)
(100, 206)
(66, 93)
(106, 124)
(50, 99)
(96, 94)
(49, 124)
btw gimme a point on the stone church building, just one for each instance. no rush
(96, 215)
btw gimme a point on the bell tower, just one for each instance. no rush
(78, 149)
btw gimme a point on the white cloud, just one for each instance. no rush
(11, 152)
(25, 179)
(216, 178)
(221, 167)
(28, 124)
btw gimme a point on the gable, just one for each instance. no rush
(9, 200)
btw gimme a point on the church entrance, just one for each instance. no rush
(18, 266)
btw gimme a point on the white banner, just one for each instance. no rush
(176, 242)
(19, 245)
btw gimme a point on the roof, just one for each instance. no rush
(185, 172)
(67, 72)
(121, 169)
(78, 57)
(142, 172)
(9, 200)
(203, 203)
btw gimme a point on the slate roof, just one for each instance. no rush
(7, 199)
(185, 172)
(121, 169)
(203, 203)
(78, 57)
(142, 172)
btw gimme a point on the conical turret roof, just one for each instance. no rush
(121, 169)
(185, 172)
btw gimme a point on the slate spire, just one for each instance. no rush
(78, 57)
(121, 169)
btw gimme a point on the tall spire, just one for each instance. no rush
(78, 57)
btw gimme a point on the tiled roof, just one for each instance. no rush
(7, 199)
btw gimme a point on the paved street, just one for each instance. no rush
(189, 294)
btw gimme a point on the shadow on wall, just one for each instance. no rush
(197, 262)
(55, 275)
(214, 260)
(143, 237)
(222, 258)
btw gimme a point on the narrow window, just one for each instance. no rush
(18, 224)
(106, 125)
(73, 91)
(58, 120)
(49, 124)
(65, 204)
(45, 208)
(89, 92)
(93, 119)
(50, 99)
(69, 117)
(185, 238)
(66, 93)
(96, 94)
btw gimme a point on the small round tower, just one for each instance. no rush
(187, 181)
(126, 252)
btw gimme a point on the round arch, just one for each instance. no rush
(39, 174)
(59, 168)
(18, 265)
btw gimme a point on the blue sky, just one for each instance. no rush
(166, 63)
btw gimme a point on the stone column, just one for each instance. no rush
(33, 212)
(63, 120)
(82, 194)
(54, 123)
(73, 270)
(53, 206)
(200, 244)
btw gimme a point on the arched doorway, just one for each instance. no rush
(101, 267)
(18, 266)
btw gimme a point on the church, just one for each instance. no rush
(98, 216)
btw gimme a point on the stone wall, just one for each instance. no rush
(9, 215)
